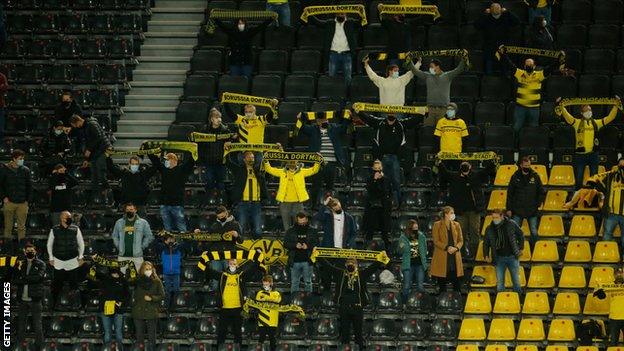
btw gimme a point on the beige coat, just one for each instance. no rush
(440, 242)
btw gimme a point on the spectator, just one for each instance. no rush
(268, 320)
(148, 294)
(539, 8)
(65, 251)
(211, 154)
(66, 109)
(326, 138)
(446, 264)
(438, 87)
(339, 43)
(56, 147)
(299, 240)
(351, 296)
(540, 35)
(282, 8)
(413, 251)
(134, 181)
(251, 126)
(4, 87)
(586, 131)
(225, 224)
(97, 143)
(399, 37)
(171, 254)
(61, 186)
(503, 243)
(616, 302)
(378, 208)
(248, 191)
(292, 192)
(467, 199)
(451, 130)
(29, 281)
(495, 24)
(16, 190)
(525, 194)
(240, 42)
(114, 291)
(131, 235)
(389, 142)
(611, 184)
(391, 87)
(173, 181)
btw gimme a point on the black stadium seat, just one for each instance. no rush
(576, 11)
(465, 88)
(442, 37)
(305, 61)
(443, 329)
(267, 85)
(233, 84)
(414, 329)
(273, 61)
(363, 90)
(210, 61)
(331, 88)
(559, 86)
(571, 36)
(489, 113)
(608, 11)
(279, 38)
(192, 112)
(299, 88)
(604, 36)
(591, 85)
(201, 88)
(495, 88)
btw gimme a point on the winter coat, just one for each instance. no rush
(240, 43)
(171, 257)
(134, 186)
(440, 244)
(466, 192)
(173, 180)
(34, 279)
(525, 194)
(335, 132)
(514, 234)
(406, 254)
(340, 277)
(221, 228)
(15, 183)
(299, 176)
(326, 219)
(96, 138)
(211, 154)
(144, 286)
(291, 240)
(496, 31)
(61, 185)
(62, 113)
(239, 178)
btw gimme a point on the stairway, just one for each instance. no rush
(159, 77)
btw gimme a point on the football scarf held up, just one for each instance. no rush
(154, 151)
(325, 10)
(131, 272)
(293, 156)
(173, 145)
(261, 305)
(241, 147)
(559, 55)
(234, 98)
(428, 10)
(234, 15)
(199, 236)
(239, 255)
(366, 107)
(210, 138)
(469, 156)
(313, 116)
(586, 101)
(362, 255)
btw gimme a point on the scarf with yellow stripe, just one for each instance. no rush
(239, 255)
(154, 151)
(261, 305)
(364, 255)
(242, 99)
(366, 107)
(428, 10)
(199, 236)
(324, 10)
(210, 138)
(558, 55)
(226, 14)
(173, 145)
(310, 116)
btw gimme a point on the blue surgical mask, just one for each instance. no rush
(134, 168)
(395, 74)
(20, 162)
(58, 131)
(167, 164)
(450, 114)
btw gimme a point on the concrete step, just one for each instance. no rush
(144, 116)
(170, 38)
(156, 87)
(177, 14)
(167, 50)
(173, 26)
(164, 62)
(154, 109)
(152, 100)
(144, 126)
(181, 3)
(159, 75)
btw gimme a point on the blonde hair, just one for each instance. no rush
(445, 210)
(144, 266)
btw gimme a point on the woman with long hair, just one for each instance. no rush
(446, 264)
(148, 294)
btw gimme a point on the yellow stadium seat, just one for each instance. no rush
(509, 282)
(587, 348)
(615, 348)
(531, 330)
(541, 172)
(498, 199)
(596, 306)
(561, 330)
(578, 251)
(536, 302)
(464, 347)
(550, 225)
(503, 174)
(582, 226)
(478, 302)
(472, 329)
(561, 175)
(479, 257)
(526, 348)
(488, 273)
(545, 251)
(496, 347)
(486, 222)
(555, 199)
(601, 275)
(541, 277)
(556, 348)
(601, 169)
(572, 277)
(606, 252)
(502, 329)
(526, 252)
(617, 233)
(567, 303)
(507, 302)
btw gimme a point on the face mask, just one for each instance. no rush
(544, 23)
(171, 244)
(340, 19)
(621, 167)
(496, 16)
(30, 255)
(222, 220)
(134, 168)
(20, 162)
(325, 125)
(148, 273)
(497, 221)
(377, 170)
(241, 27)
(58, 132)
(351, 268)
(587, 114)
(66, 103)
(529, 69)
(130, 215)
(452, 217)
(266, 287)
(464, 168)
(302, 225)
(249, 115)
(338, 211)
(167, 164)
(395, 74)
(68, 221)
(450, 114)
(232, 268)
(432, 70)
(115, 275)
(391, 118)
(525, 170)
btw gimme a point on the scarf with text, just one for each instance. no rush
(199, 236)
(429, 10)
(131, 272)
(462, 53)
(586, 101)
(225, 14)
(313, 116)
(261, 305)
(362, 255)
(558, 55)
(234, 98)
(210, 138)
(173, 145)
(324, 10)
(293, 156)
(366, 107)
(239, 255)
(469, 156)
(154, 151)
(240, 147)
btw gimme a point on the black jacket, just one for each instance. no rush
(65, 245)
(212, 153)
(239, 181)
(173, 180)
(134, 186)
(240, 43)
(15, 183)
(96, 139)
(466, 192)
(540, 38)
(220, 228)
(525, 194)
(61, 185)
(56, 144)
(389, 139)
(295, 235)
(63, 113)
(496, 31)
(515, 236)
(379, 193)
(329, 29)
(112, 289)
(340, 278)
(34, 279)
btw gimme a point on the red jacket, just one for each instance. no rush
(4, 86)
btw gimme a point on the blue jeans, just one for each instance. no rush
(241, 70)
(218, 266)
(171, 284)
(541, 11)
(107, 324)
(283, 13)
(580, 161)
(340, 62)
(298, 270)
(525, 115)
(173, 218)
(416, 270)
(532, 226)
(609, 226)
(513, 264)
(392, 168)
(250, 212)
(214, 176)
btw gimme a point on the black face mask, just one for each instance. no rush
(338, 212)
(130, 215)
(529, 69)
(66, 104)
(325, 125)
(465, 168)
(30, 255)
(68, 221)
(525, 170)
(222, 220)
(391, 118)
(351, 268)
(340, 19)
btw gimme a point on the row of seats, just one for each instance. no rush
(576, 251)
(522, 347)
(581, 226)
(69, 48)
(530, 329)
(77, 23)
(555, 199)
(535, 303)
(77, 4)
(560, 175)
(87, 98)
(83, 73)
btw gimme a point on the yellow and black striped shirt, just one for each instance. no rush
(529, 92)
(251, 131)
(612, 185)
(252, 187)
(268, 318)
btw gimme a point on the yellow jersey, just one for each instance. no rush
(586, 129)
(231, 292)
(252, 187)
(611, 183)
(251, 130)
(529, 89)
(451, 132)
(268, 318)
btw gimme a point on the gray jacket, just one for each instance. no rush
(438, 85)
(142, 236)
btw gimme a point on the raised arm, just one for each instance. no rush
(156, 162)
(310, 171)
(413, 121)
(257, 29)
(461, 67)
(415, 69)
(115, 170)
(370, 120)
(567, 116)
(610, 117)
(276, 172)
(376, 79)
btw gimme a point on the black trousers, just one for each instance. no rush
(61, 276)
(268, 333)
(615, 325)
(230, 318)
(33, 308)
(351, 317)
(140, 326)
(323, 180)
(453, 278)
(378, 218)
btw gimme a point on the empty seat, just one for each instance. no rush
(531, 330)
(559, 86)
(498, 199)
(478, 302)
(209, 61)
(489, 114)
(486, 272)
(503, 174)
(578, 251)
(442, 37)
(556, 348)
(496, 347)
(567, 303)
(305, 61)
(551, 226)
(576, 11)
(273, 61)
(599, 61)
(192, 112)
(465, 88)
(495, 88)
(545, 251)
(526, 348)
(536, 302)
(561, 175)
(594, 85)
(604, 36)
(331, 88)
(601, 275)
(607, 11)
(561, 330)
(233, 84)
(582, 226)
(502, 329)
(472, 329)
(279, 38)
(446, 329)
(555, 199)
(572, 277)
(507, 303)
(268, 85)
(299, 87)
(606, 252)
(363, 89)
(463, 347)
(202, 88)
(541, 277)
(571, 35)
(541, 172)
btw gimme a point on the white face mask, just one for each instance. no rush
(249, 115)
(432, 70)
(148, 273)
(167, 164)
(587, 114)
(266, 287)
(395, 74)
(497, 221)
(232, 268)
(241, 27)
(496, 16)
(134, 168)
(450, 114)
(452, 217)
(544, 23)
